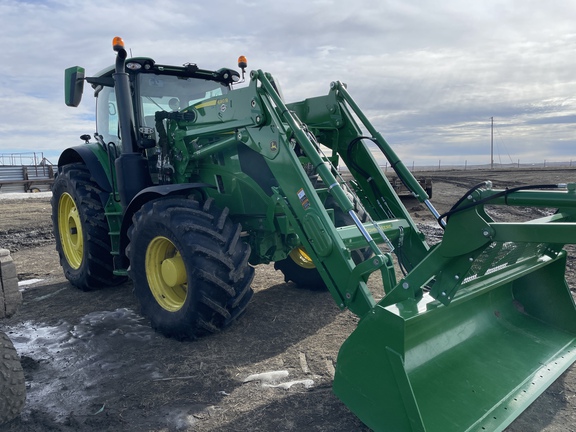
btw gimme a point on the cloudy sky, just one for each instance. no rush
(429, 74)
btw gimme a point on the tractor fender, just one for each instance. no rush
(86, 155)
(149, 194)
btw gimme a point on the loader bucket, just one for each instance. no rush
(473, 365)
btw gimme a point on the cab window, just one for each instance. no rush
(173, 93)
(107, 115)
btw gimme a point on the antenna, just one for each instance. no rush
(492, 143)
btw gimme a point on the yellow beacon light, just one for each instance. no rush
(117, 43)
(242, 62)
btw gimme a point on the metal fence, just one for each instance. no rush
(21, 159)
(25, 172)
(545, 164)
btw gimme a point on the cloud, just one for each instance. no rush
(428, 74)
(554, 119)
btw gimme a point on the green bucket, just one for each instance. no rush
(473, 365)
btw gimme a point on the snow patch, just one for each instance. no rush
(308, 383)
(272, 380)
(24, 195)
(267, 377)
(29, 282)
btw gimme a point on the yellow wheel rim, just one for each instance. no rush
(166, 274)
(301, 257)
(70, 230)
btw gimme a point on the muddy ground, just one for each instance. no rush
(93, 364)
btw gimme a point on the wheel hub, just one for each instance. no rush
(173, 271)
(166, 274)
(301, 257)
(70, 230)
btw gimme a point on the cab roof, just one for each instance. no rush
(137, 65)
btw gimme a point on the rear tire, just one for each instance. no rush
(189, 267)
(12, 384)
(81, 230)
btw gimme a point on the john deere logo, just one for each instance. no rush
(273, 146)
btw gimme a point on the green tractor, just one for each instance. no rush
(192, 180)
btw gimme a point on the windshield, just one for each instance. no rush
(173, 93)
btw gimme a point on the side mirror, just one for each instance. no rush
(73, 85)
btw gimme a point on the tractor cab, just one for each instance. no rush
(156, 91)
(155, 88)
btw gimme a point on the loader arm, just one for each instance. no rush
(274, 131)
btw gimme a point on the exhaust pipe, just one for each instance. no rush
(131, 167)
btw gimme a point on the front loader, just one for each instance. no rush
(192, 180)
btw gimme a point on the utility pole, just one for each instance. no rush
(492, 143)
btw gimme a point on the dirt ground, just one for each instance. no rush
(93, 364)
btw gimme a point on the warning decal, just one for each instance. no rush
(303, 199)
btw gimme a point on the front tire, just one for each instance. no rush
(189, 267)
(81, 229)
(299, 268)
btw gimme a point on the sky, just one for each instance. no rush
(429, 74)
